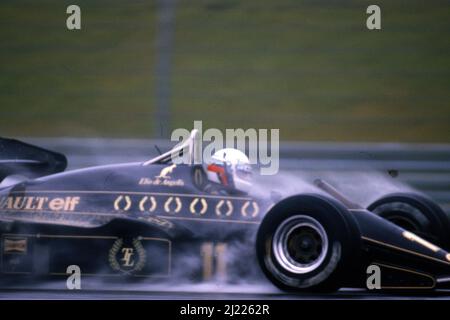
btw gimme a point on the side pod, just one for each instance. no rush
(406, 261)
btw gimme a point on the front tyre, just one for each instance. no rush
(308, 243)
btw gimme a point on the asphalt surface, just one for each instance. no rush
(33, 294)
(210, 291)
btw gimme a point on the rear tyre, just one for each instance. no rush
(308, 243)
(415, 213)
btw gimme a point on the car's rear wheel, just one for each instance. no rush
(308, 243)
(415, 213)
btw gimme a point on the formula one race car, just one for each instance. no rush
(158, 221)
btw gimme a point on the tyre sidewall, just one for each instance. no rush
(343, 243)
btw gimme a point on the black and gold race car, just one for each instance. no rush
(155, 221)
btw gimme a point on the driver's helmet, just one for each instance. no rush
(230, 168)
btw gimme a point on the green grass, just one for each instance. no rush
(310, 68)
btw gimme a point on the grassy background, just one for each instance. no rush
(310, 68)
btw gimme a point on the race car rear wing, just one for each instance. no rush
(189, 149)
(20, 158)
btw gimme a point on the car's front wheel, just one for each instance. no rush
(308, 243)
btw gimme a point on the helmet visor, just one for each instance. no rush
(244, 171)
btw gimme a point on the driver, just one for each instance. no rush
(229, 172)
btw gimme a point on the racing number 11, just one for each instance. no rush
(214, 260)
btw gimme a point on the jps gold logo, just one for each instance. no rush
(127, 254)
(127, 258)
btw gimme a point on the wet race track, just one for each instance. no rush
(184, 295)
(203, 292)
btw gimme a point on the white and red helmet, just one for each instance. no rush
(230, 168)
